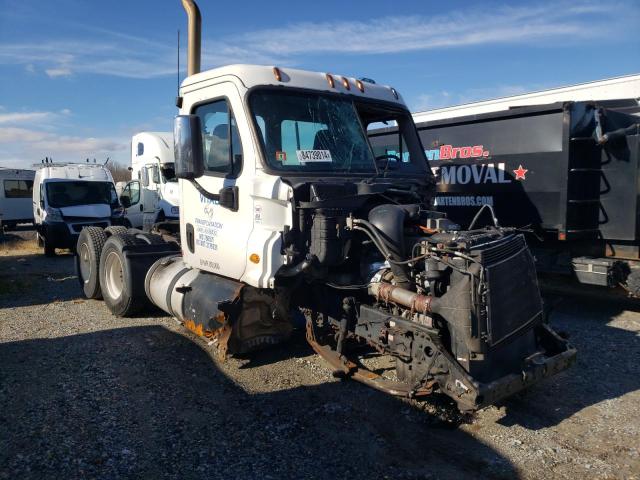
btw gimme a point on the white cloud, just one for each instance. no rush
(24, 117)
(124, 55)
(58, 72)
(21, 147)
(26, 137)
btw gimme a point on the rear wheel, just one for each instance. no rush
(88, 250)
(115, 230)
(118, 280)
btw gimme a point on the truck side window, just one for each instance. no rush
(388, 144)
(220, 138)
(140, 148)
(134, 187)
(130, 194)
(18, 188)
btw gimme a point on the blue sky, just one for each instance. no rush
(78, 78)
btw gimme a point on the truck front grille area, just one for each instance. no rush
(513, 303)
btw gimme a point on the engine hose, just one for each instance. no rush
(376, 241)
(391, 253)
(372, 228)
(296, 269)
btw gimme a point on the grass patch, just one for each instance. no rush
(11, 246)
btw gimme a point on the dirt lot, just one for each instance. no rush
(86, 395)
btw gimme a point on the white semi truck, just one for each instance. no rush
(287, 210)
(152, 196)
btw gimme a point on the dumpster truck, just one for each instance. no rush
(566, 174)
(287, 212)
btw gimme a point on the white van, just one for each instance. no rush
(70, 196)
(16, 190)
(152, 195)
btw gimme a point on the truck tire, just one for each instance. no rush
(117, 277)
(88, 250)
(115, 230)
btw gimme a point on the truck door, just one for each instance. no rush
(150, 194)
(216, 237)
(130, 198)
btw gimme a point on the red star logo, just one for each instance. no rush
(520, 173)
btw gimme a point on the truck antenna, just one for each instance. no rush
(178, 72)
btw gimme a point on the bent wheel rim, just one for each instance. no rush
(114, 277)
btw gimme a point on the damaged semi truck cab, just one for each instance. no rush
(288, 207)
(287, 210)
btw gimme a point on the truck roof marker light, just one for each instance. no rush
(345, 83)
(277, 74)
(360, 85)
(395, 93)
(330, 81)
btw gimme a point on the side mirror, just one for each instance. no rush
(144, 176)
(187, 138)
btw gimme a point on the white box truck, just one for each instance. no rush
(152, 196)
(70, 196)
(16, 186)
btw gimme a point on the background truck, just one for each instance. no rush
(152, 196)
(16, 189)
(287, 212)
(566, 173)
(68, 197)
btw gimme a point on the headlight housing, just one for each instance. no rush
(175, 210)
(53, 215)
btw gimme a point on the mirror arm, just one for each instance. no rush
(211, 196)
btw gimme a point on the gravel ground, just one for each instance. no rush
(84, 394)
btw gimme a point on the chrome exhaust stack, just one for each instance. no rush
(194, 38)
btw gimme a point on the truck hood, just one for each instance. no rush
(99, 210)
(171, 193)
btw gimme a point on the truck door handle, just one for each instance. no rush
(141, 207)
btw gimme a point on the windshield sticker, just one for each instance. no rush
(310, 156)
(281, 156)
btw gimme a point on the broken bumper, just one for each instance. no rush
(471, 395)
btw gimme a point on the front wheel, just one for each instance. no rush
(118, 278)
